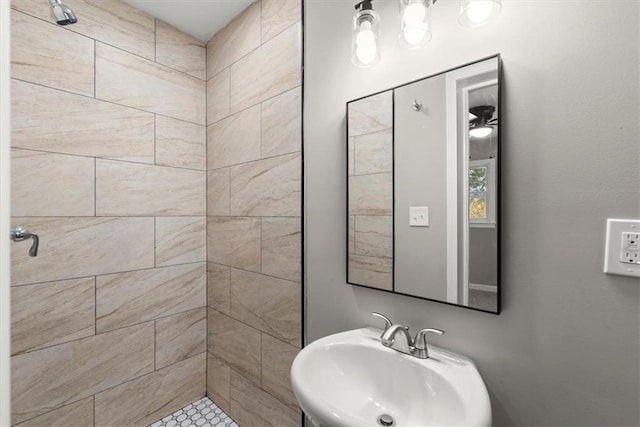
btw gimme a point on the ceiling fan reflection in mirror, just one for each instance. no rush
(482, 121)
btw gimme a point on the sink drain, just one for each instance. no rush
(386, 420)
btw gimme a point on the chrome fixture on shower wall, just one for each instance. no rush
(62, 13)
(415, 25)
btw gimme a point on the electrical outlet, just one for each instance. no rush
(419, 216)
(630, 248)
(622, 250)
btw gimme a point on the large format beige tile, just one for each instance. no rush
(219, 382)
(180, 144)
(277, 15)
(50, 120)
(371, 194)
(51, 313)
(235, 139)
(113, 22)
(281, 241)
(77, 414)
(35, 55)
(282, 124)
(373, 152)
(180, 240)
(234, 242)
(251, 406)
(277, 357)
(234, 41)
(371, 271)
(271, 69)
(128, 298)
(218, 97)
(269, 187)
(133, 189)
(47, 379)
(179, 50)
(374, 236)
(351, 234)
(151, 397)
(46, 184)
(371, 114)
(80, 247)
(235, 343)
(129, 80)
(219, 287)
(268, 304)
(218, 192)
(180, 337)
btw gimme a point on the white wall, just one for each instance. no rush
(5, 196)
(565, 350)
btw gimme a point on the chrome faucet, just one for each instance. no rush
(417, 347)
(19, 234)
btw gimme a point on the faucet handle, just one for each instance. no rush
(420, 342)
(387, 321)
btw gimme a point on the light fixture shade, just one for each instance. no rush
(415, 23)
(365, 50)
(474, 13)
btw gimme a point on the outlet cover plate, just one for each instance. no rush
(615, 230)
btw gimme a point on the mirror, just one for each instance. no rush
(423, 187)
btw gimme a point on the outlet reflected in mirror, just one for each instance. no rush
(423, 188)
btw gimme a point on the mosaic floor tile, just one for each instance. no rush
(201, 413)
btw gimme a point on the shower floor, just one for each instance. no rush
(201, 413)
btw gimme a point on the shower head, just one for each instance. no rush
(62, 13)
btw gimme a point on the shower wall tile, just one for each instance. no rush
(269, 187)
(35, 55)
(266, 303)
(51, 313)
(238, 38)
(112, 22)
(373, 152)
(371, 194)
(219, 287)
(219, 382)
(180, 337)
(375, 272)
(371, 114)
(218, 195)
(235, 139)
(153, 396)
(180, 144)
(271, 69)
(180, 51)
(46, 184)
(133, 189)
(281, 124)
(277, 357)
(47, 379)
(77, 414)
(81, 247)
(129, 80)
(277, 15)
(218, 97)
(235, 343)
(87, 127)
(252, 406)
(374, 236)
(234, 242)
(281, 241)
(134, 297)
(180, 240)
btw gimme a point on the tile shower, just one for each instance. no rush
(163, 176)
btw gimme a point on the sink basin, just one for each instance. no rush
(351, 379)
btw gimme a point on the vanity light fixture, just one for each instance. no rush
(366, 30)
(474, 13)
(415, 22)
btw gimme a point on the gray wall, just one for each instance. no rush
(420, 172)
(565, 350)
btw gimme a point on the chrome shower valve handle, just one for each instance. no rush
(19, 234)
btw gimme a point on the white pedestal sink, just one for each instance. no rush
(350, 380)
